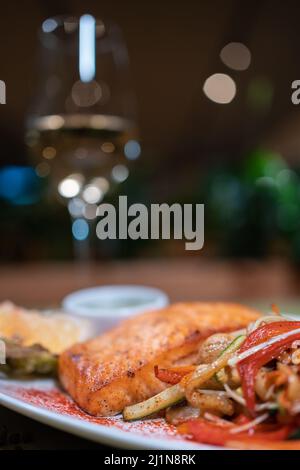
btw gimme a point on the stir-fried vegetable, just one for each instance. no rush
(221, 376)
(267, 331)
(168, 397)
(250, 365)
(202, 374)
(254, 378)
(211, 400)
(172, 375)
(179, 414)
(214, 433)
(213, 346)
(178, 392)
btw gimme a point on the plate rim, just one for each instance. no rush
(99, 433)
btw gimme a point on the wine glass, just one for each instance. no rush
(81, 128)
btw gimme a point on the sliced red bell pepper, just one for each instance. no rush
(205, 432)
(249, 367)
(267, 331)
(172, 375)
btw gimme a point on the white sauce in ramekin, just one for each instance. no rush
(106, 306)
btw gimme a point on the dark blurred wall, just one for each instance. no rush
(173, 46)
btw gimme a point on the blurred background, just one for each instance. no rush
(162, 101)
(208, 119)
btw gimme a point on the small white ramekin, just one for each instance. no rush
(106, 306)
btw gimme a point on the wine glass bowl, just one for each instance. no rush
(81, 128)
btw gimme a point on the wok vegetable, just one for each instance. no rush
(172, 375)
(250, 365)
(177, 392)
(261, 363)
(220, 376)
(207, 432)
(168, 397)
(202, 374)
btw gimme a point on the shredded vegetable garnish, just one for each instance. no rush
(234, 395)
(250, 425)
(255, 349)
(270, 391)
(213, 392)
(239, 399)
(217, 420)
(269, 405)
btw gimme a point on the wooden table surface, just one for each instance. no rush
(182, 279)
(44, 285)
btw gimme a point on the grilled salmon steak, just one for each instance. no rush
(105, 374)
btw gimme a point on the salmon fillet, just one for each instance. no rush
(114, 370)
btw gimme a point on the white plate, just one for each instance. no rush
(43, 401)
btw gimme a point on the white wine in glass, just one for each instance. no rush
(81, 129)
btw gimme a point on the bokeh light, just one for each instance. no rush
(70, 186)
(108, 147)
(132, 149)
(80, 229)
(220, 88)
(92, 194)
(260, 94)
(76, 207)
(236, 55)
(102, 183)
(49, 25)
(19, 185)
(90, 211)
(42, 169)
(119, 173)
(52, 122)
(49, 153)
(86, 94)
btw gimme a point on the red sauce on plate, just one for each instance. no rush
(56, 401)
